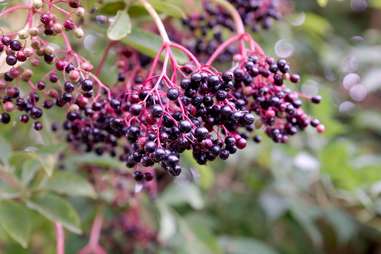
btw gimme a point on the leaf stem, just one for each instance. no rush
(157, 20)
(60, 238)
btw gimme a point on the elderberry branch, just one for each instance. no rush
(157, 20)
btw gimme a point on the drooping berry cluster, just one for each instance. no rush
(31, 46)
(158, 108)
(257, 13)
(207, 28)
(154, 120)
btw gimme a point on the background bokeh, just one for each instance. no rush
(318, 194)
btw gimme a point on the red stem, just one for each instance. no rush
(93, 245)
(67, 42)
(14, 8)
(60, 239)
(223, 47)
(187, 53)
(103, 59)
(96, 230)
(156, 60)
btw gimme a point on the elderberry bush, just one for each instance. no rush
(117, 109)
(149, 126)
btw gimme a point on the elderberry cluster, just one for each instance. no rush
(42, 94)
(257, 13)
(147, 119)
(150, 122)
(208, 28)
(30, 48)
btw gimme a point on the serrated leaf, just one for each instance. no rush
(120, 27)
(56, 209)
(168, 8)
(14, 219)
(149, 44)
(69, 183)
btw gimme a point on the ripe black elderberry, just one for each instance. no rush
(5, 118)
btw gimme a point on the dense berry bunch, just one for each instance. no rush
(207, 28)
(154, 120)
(31, 45)
(257, 13)
(158, 108)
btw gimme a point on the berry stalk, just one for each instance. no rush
(60, 238)
(157, 20)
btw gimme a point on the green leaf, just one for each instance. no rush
(316, 24)
(69, 183)
(14, 219)
(206, 172)
(5, 150)
(326, 113)
(375, 3)
(194, 243)
(3, 5)
(185, 192)
(48, 163)
(29, 170)
(368, 120)
(136, 11)
(120, 27)
(344, 226)
(111, 8)
(168, 8)
(92, 159)
(149, 44)
(233, 245)
(322, 3)
(335, 163)
(56, 209)
(167, 222)
(204, 234)
(305, 215)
